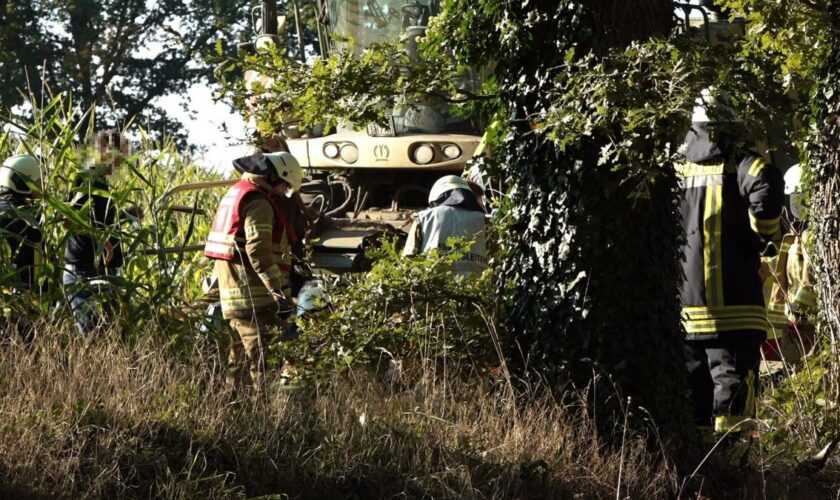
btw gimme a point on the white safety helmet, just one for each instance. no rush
(793, 188)
(793, 180)
(446, 183)
(716, 101)
(288, 168)
(17, 170)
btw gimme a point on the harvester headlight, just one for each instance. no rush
(331, 150)
(349, 153)
(423, 154)
(451, 151)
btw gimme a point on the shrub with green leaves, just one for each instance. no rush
(408, 312)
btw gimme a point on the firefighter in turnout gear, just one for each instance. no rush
(21, 237)
(454, 212)
(251, 240)
(788, 285)
(730, 208)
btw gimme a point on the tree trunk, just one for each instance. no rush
(824, 169)
(596, 269)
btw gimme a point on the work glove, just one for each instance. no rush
(285, 308)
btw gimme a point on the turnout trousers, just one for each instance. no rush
(246, 357)
(723, 376)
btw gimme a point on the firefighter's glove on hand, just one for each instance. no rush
(285, 308)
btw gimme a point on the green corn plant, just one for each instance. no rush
(161, 279)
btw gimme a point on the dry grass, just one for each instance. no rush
(106, 420)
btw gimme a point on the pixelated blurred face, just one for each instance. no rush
(110, 151)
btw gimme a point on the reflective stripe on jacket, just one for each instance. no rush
(228, 223)
(257, 274)
(432, 227)
(728, 213)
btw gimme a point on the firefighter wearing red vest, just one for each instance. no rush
(251, 240)
(730, 207)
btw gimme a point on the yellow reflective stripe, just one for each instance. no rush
(777, 324)
(239, 293)
(745, 421)
(711, 246)
(777, 318)
(690, 169)
(777, 307)
(254, 298)
(777, 328)
(756, 167)
(699, 314)
(699, 181)
(735, 423)
(266, 226)
(724, 325)
(723, 311)
(764, 226)
(255, 230)
(247, 303)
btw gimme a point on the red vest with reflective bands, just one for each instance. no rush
(228, 222)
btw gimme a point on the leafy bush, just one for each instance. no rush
(412, 313)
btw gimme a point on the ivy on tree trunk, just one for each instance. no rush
(824, 171)
(595, 266)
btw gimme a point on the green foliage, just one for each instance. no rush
(802, 409)
(777, 65)
(791, 35)
(117, 55)
(583, 143)
(412, 311)
(155, 286)
(616, 97)
(23, 47)
(344, 87)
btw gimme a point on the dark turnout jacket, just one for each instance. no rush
(730, 208)
(20, 237)
(82, 249)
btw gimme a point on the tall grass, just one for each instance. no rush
(108, 420)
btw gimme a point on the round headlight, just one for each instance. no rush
(331, 150)
(451, 151)
(423, 154)
(349, 153)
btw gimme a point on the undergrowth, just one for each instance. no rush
(103, 419)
